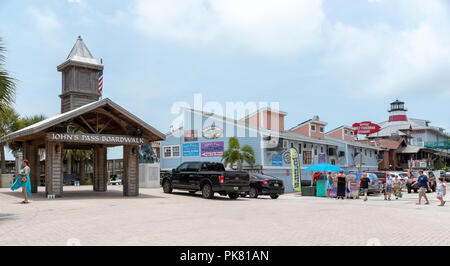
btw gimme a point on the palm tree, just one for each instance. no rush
(7, 83)
(236, 154)
(8, 117)
(82, 158)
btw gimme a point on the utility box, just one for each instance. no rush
(149, 175)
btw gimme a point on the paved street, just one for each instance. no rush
(88, 218)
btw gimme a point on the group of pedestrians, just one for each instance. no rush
(393, 186)
(424, 186)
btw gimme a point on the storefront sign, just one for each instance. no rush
(190, 135)
(213, 149)
(277, 159)
(95, 139)
(191, 149)
(366, 128)
(322, 158)
(296, 175)
(287, 157)
(212, 132)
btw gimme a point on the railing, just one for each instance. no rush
(443, 144)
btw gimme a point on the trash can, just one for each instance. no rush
(321, 188)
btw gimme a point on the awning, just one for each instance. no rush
(409, 149)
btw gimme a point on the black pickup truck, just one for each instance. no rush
(207, 177)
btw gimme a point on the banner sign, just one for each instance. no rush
(366, 128)
(95, 139)
(322, 158)
(277, 159)
(296, 175)
(213, 149)
(212, 132)
(191, 149)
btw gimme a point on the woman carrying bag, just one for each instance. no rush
(23, 181)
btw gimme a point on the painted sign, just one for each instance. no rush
(190, 135)
(322, 158)
(366, 128)
(212, 132)
(95, 139)
(213, 149)
(191, 149)
(277, 159)
(296, 175)
(287, 157)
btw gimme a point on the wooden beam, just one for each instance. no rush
(87, 124)
(105, 126)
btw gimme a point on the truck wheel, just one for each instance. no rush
(167, 186)
(207, 191)
(274, 196)
(233, 196)
(253, 193)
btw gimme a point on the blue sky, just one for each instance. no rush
(342, 60)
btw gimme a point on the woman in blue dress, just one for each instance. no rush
(23, 181)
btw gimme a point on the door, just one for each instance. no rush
(177, 175)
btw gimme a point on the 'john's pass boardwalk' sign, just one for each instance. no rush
(95, 139)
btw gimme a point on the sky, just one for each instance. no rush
(342, 60)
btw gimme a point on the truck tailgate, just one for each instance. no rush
(235, 178)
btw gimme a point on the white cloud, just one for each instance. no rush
(289, 26)
(383, 61)
(374, 60)
(45, 20)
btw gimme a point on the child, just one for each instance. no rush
(441, 189)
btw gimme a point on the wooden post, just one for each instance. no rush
(130, 177)
(53, 169)
(31, 153)
(100, 168)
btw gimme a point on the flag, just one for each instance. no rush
(100, 83)
(296, 175)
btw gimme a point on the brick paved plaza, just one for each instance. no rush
(90, 218)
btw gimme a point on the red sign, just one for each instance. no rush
(366, 128)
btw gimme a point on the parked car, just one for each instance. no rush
(447, 176)
(432, 181)
(410, 184)
(380, 175)
(263, 185)
(207, 177)
(375, 185)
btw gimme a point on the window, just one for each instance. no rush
(315, 151)
(321, 149)
(307, 157)
(351, 133)
(299, 148)
(217, 167)
(304, 146)
(346, 132)
(365, 153)
(292, 144)
(313, 128)
(171, 151)
(322, 129)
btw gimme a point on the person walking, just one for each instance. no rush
(342, 182)
(388, 188)
(23, 181)
(441, 190)
(330, 180)
(397, 185)
(364, 184)
(424, 186)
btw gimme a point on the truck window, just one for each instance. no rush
(212, 167)
(183, 167)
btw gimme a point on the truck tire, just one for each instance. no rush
(233, 196)
(253, 193)
(274, 196)
(167, 187)
(207, 191)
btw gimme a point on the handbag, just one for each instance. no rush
(23, 179)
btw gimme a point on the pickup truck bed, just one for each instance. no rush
(207, 177)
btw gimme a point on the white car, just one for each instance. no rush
(403, 176)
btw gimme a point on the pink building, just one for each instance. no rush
(313, 128)
(343, 133)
